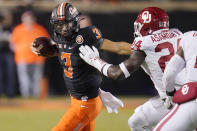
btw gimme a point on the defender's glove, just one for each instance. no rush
(111, 102)
(91, 56)
(168, 103)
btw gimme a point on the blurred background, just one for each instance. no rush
(114, 18)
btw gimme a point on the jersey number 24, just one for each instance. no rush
(166, 58)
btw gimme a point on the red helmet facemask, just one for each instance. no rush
(149, 20)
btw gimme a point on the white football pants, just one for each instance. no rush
(181, 118)
(146, 116)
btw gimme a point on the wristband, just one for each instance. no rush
(124, 70)
(105, 68)
(99, 63)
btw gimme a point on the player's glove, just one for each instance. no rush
(168, 103)
(111, 102)
(91, 56)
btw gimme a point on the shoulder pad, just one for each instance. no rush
(141, 43)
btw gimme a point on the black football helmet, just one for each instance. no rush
(65, 15)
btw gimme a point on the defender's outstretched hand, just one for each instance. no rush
(91, 56)
(88, 54)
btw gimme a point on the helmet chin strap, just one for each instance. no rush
(150, 32)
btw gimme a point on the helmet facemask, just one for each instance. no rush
(65, 22)
(66, 29)
(137, 28)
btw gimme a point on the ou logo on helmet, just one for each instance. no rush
(185, 89)
(146, 16)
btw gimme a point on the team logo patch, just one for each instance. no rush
(146, 17)
(79, 39)
(185, 89)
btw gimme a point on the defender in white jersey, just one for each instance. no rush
(153, 47)
(183, 117)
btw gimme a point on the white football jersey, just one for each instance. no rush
(189, 45)
(159, 48)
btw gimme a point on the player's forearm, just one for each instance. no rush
(115, 72)
(124, 48)
(118, 72)
(121, 48)
(175, 65)
(123, 70)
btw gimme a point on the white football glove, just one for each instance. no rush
(168, 103)
(111, 102)
(91, 56)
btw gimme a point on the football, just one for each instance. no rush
(45, 46)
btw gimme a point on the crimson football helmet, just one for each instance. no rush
(64, 14)
(149, 20)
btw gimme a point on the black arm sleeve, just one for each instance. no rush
(92, 37)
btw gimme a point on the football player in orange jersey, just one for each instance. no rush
(81, 79)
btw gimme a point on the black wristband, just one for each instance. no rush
(171, 93)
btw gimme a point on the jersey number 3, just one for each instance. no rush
(69, 70)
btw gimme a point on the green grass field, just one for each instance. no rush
(43, 120)
(17, 116)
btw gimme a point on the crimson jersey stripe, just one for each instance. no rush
(166, 118)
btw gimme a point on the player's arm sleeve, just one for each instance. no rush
(121, 48)
(93, 37)
(175, 65)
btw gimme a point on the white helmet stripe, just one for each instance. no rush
(61, 10)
